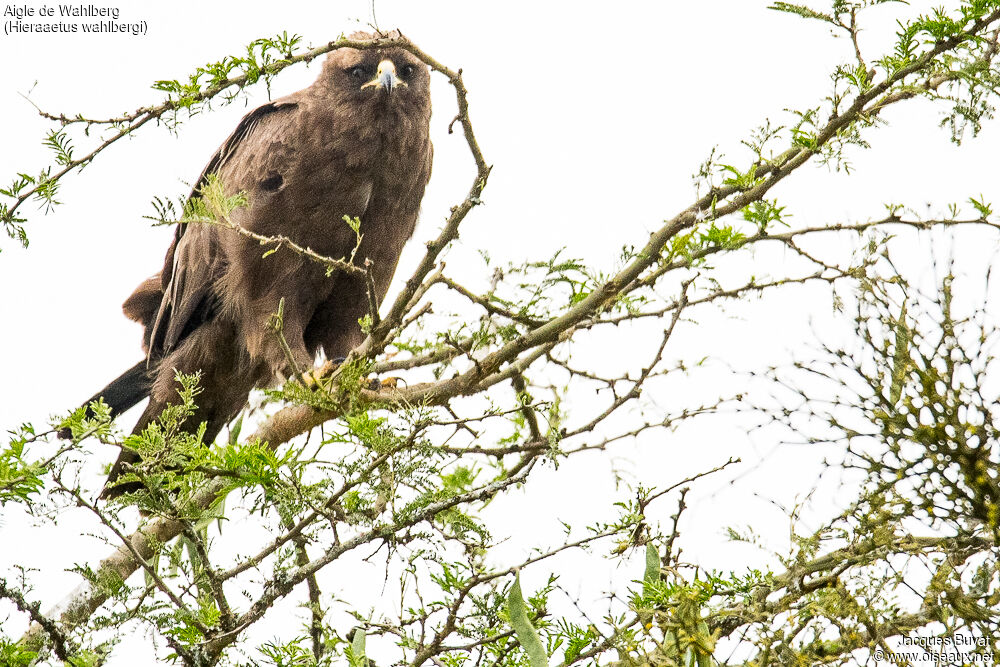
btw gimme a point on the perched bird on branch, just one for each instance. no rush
(355, 143)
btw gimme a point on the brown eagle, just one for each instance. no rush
(355, 143)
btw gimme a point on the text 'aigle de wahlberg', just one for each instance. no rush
(68, 18)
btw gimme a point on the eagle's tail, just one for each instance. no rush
(123, 392)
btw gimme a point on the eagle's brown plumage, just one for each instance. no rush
(355, 143)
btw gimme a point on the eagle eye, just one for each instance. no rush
(406, 71)
(357, 72)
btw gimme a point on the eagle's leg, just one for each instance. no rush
(318, 376)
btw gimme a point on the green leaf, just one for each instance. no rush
(803, 11)
(652, 573)
(983, 207)
(14, 655)
(234, 432)
(356, 655)
(525, 632)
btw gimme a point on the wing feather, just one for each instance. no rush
(193, 262)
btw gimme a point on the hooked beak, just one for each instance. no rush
(386, 78)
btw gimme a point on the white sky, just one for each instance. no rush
(594, 120)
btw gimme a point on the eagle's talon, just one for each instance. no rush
(375, 384)
(313, 378)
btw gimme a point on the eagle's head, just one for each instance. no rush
(381, 79)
